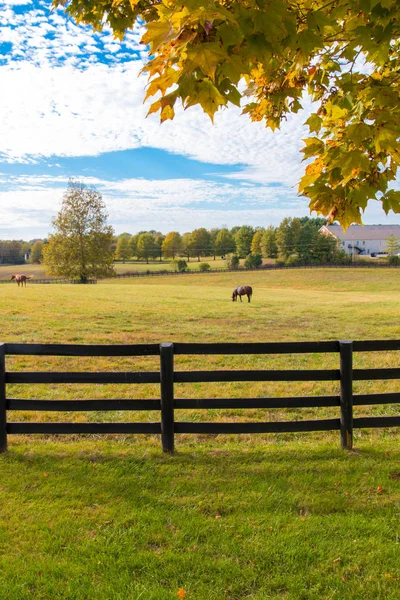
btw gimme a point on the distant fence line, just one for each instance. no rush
(54, 280)
(271, 267)
(166, 376)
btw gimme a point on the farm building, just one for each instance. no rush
(362, 239)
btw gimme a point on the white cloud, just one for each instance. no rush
(135, 204)
(65, 111)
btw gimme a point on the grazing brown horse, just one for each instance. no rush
(242, 290)
(21, 279)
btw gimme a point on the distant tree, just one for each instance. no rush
(12, 252)
(213, 238)
(235, 229)
(37, 252)
(286, 236)
(253, 261)
(325, 250)
(256, 241)
(232, 261)
(146, 247)
(269, 248)
(224, 243)
(172, 244)
(81, 244)
(203, 266)
(318, 222)
(303, 244)
(393, 245)
(158, 241)
(243, 239)
(200, 243)
(179, 265)
(123, 250)
(133, 242)
(185, 251)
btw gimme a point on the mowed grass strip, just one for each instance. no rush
(238, 517)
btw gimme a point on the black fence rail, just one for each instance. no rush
(167, 376)
(54, 280)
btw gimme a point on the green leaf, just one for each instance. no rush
(204, 56)
(314, 123)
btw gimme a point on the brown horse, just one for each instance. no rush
(242, 290)
(21, 279)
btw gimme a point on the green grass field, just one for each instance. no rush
(227, 517)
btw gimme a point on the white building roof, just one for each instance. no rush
(364, 232)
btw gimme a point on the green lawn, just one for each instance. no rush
(228, 517)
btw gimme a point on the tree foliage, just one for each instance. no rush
(172, 244)
(37, 252)
(146, 246)
(200, 243)
(123, 250)
(224, 242)
(81, 244)
(253, 261)
(393, 245)
(243, 239)
(269, 248)
(232, 261)
(265, 55)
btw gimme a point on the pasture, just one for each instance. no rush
(238, 517)
(38, 270)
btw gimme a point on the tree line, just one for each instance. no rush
(294, 238)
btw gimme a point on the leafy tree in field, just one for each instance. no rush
(256, 242)
(37, 252)
(200, 243)
(203, 267)
(286, 236)
(159, 240)
(253, 261)
(213, 241)
(344, 54)
(12, 252)
(269, 248)
(325, 250)
(179, 265)
(172, 244)
(123, 250)
(81, 244)
(186, 245)
(224, 243)
(232, 261)
(243, 239)
(146, 247)
(303, 243)
(133, 242)
(393, 245)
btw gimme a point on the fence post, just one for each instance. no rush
(3, 407)
(167, 396)
(346, 394)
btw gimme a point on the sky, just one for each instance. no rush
(71, 105)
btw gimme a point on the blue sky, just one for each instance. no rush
(71, 106)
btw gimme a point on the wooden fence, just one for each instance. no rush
(167, 376)
(53, 280)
